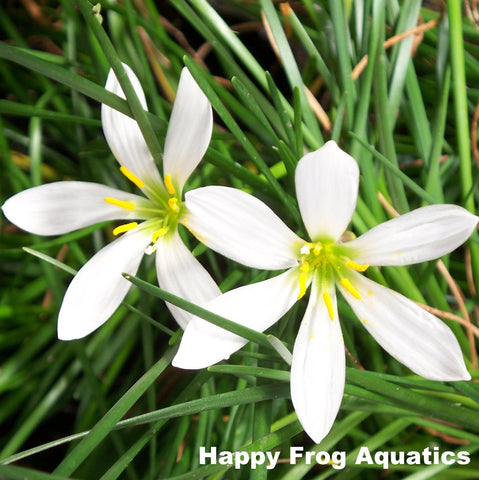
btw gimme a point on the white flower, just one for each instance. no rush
(57, 208)
(241, 227)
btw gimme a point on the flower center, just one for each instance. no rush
(327, 262)
(164, 211)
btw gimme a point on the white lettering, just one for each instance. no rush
(257, 458)
(322, 458)
(272, 459)
(225, 458)
(382, 458)
(241, 458)
(295, 453)
(413, 458)
(364, 456)
(463, 458)
(211, 455)
(397, 458)
(336, 459)
(446, 460)
(309, 457)
(339, 460)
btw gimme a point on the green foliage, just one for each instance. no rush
(110, 405)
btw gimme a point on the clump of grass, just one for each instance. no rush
(393, 83)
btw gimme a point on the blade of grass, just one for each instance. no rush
(22, 473)
(211, 317)
(74, 459)
(459, 89)
(137, 109)
(394, 169)
(422, 404)
(241, 137)
(222, 400)
(385, 132)
(31, 61)
(343, 49)
(53, 261)
(291, 68)
(20, 109)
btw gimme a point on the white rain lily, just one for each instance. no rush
(243, 228)
(57, 208)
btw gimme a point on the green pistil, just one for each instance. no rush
(330, 262)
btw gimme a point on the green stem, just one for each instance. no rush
(115, 63)
(454, 11)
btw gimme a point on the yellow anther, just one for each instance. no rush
(173, 204)
(302, 285)
(120, 203)
(357, 266)
(159, 233)
(124, 228)
(304, 266)
(132, 177)
(317, 249)
(169, 184)
(370, 292)
(329, 304)
(347, 285)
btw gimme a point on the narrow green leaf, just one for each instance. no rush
(63, 76)
(459, 88)
(22, 473)
(137, 109)
(396, 171)
(74, 459)
(20, 109)
(241, 137)
(52, 261)
(422, 404)
(211, 317)
(280, 375)
(291, 69)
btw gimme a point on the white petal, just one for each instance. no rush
(318, 367)
(423, 234)
(327, 188)
(180, 273)
(124, 135)
(413, 336)
(189, 131)
(98, 288)
(257, 306)
(241, 227)
(62, 207)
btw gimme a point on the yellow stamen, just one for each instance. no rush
(132, 177)
(120, 203)
(159, 233)
(357, 266)
(329, 305)
(347, 285)
(302, 285)
(317, 249)
(173, 204)
(124, 228)
(169, 184)
(304, 266)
